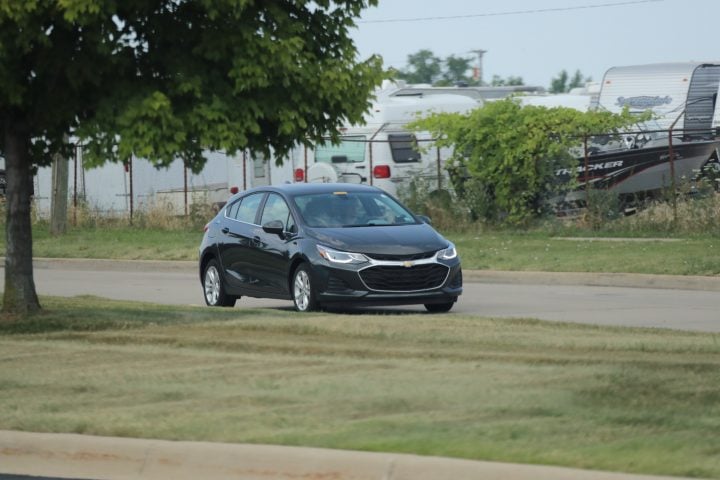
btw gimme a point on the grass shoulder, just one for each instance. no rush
(538, 249)
(573, 252)
(619, 399)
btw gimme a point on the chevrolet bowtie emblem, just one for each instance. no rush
(408, 264)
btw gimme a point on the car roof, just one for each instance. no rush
(292, 189)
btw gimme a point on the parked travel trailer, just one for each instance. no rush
(117, 189)
(485, 94)
(382, 152)
(680, 93)
(581, 98)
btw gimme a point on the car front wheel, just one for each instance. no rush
(302, 290)
(213, 287)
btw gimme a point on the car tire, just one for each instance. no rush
(303, 292)
(439, 307)
(213, 288)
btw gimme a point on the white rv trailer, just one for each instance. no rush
(683, 92)
(485, 94)
(112, 187)
(581, 98)
(382, 152)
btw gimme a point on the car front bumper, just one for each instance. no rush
(388, 283)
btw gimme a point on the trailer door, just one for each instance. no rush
(701, 101)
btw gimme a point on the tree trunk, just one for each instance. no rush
(20, 296)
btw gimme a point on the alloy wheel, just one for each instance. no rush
(301, 290)
(212, 285)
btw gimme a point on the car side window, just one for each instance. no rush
(248, 208)
(277, 209)
(231, 210)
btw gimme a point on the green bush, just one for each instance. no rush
(512, 153)
(446, 211)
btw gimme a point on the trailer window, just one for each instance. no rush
(259, 166)
(404, 148)
(350, 149)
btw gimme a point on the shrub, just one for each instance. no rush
(446, 211)
(515, 152)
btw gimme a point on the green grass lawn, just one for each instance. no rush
(544, 252)
(619, 399)
(539, 251)
(125, 243)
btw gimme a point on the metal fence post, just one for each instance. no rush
(185, 187)
(587, 168)
(439, 171)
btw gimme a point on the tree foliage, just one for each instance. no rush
(167, 79)
(578, 80)
(559, 84)
(456, 71)
(506, 155)
(422, 67)
(498, 81)
(563, 83)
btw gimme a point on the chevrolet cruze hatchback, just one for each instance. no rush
(326, 245)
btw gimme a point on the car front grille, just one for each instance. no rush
(401, 258)
(387, 278)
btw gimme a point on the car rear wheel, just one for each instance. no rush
(439, 307)
(213, 287)
(303, 290)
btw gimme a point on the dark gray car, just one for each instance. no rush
(326, 244)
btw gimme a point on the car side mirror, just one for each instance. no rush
(424, 219)
(274, 227)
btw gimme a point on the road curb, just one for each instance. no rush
(107, 458)
(631, 280)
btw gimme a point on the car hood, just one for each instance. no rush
(394, 240)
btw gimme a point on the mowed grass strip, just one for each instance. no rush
(117, 242)
(539, 251)
(632, 400)
(493, 250)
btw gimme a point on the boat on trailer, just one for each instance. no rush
(640, 172)
(682, 98)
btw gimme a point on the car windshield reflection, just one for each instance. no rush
(352, 210)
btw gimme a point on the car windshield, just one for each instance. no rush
(352, 209)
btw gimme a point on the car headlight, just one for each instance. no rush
(340, 257)
(447, 254)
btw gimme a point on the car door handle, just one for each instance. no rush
(256, 240)
(225, 230)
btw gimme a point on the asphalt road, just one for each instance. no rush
(180, 285)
